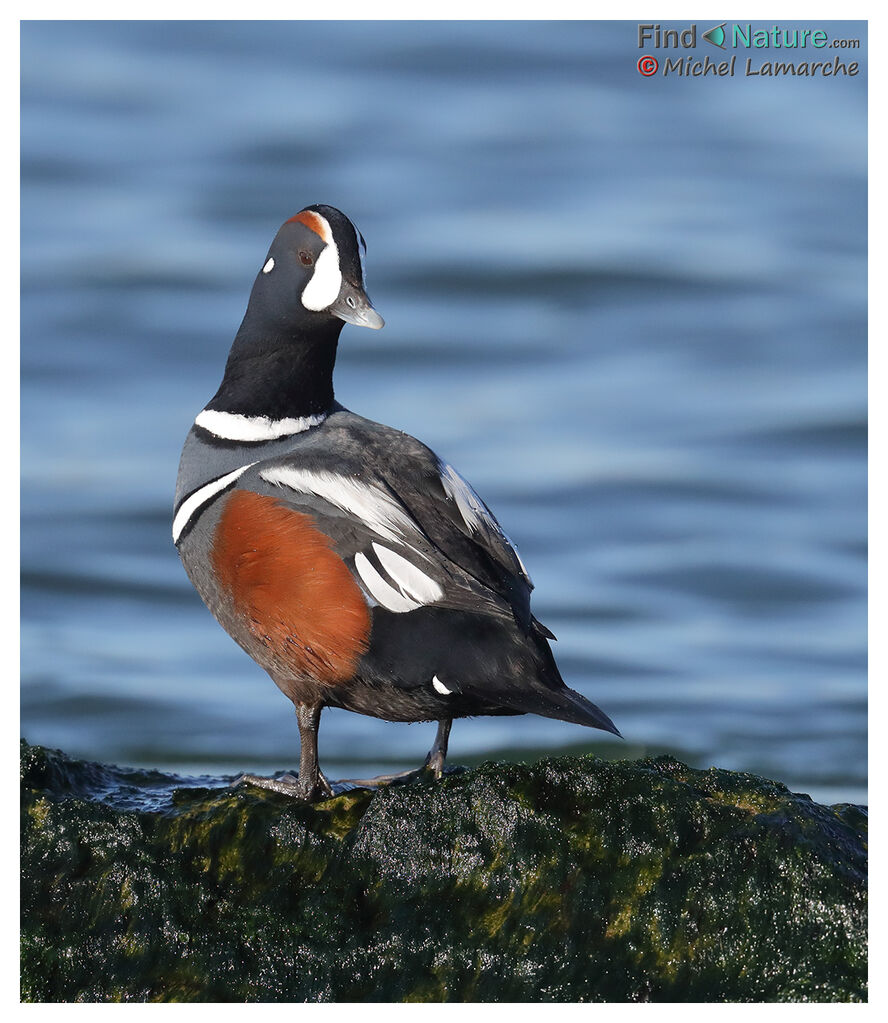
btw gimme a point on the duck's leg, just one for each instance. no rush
(311, 783)
(438, 752)
(311, 778)
(434, 762)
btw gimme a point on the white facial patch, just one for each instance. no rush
(233, 426)
(439, 686)
(378, 510)
(191, 505)
(269, 266)
(326, 281)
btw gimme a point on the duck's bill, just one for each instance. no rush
(355, 307)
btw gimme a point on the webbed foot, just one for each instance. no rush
(290, 785)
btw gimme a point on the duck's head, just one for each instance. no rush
(315, 269)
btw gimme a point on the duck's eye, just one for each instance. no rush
(305, 258)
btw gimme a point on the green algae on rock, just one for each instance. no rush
(573, 879)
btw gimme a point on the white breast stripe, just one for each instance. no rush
(200, 497)
(378, 510)
(384, 594)
(410, 580)
(440, 687)
(233, 426)
(323, 288)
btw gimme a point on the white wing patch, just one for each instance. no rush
(412, 588)
(407, 587)
(470, 507)
(410, 580)
(199, 498)
(381, 591)
(377, 509)
(233, 426)
(472, 510)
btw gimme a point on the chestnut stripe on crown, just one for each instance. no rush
(314, 222)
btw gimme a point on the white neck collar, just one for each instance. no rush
(234, 426)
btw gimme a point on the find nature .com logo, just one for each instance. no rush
(744, 36)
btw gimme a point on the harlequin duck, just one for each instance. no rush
(354, 565)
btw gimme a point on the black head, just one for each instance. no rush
(315, 269)
(281, 362)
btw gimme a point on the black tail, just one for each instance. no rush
(536, 687)
(570, 706)
(562, 703)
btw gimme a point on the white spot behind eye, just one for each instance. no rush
(269, 266)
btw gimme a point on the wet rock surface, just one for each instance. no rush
(573, 879)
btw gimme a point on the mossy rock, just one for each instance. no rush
(572, 879)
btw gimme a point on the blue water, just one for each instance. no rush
(631, 311)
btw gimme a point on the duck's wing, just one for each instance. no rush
(364, 558)
(386, 498)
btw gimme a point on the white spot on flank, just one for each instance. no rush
(189, 507)
(378, 510)
(269, 266)
(323, 288)
(440, 687)
(234, 426)
(380, 590)
(410, 581)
